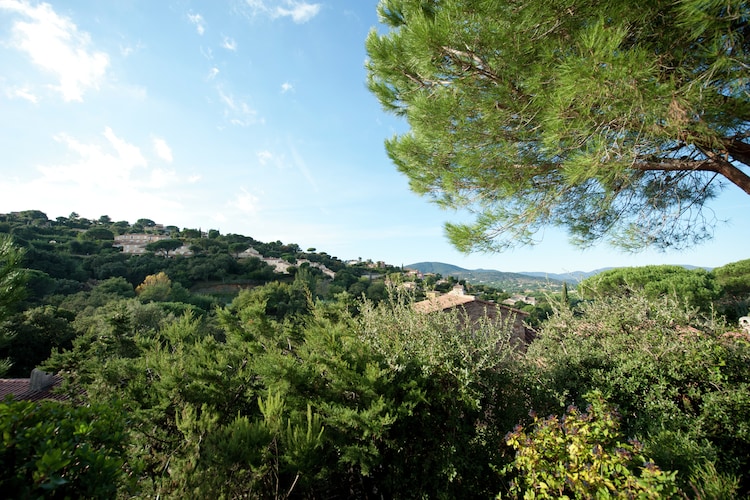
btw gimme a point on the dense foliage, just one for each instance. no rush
(283, 389)
(694, 287)
(581, 455)
(679, 379)
(11, 287)
(55, 450)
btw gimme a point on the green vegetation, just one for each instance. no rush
(55, 450)
(695, 287)
(581, 456)
(11, 289)
(614, 120)
(236, 368)
(261, 384)
(678, 378)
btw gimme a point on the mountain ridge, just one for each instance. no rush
(513, 281)
(505, 280)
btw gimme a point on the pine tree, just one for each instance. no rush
(615, 120)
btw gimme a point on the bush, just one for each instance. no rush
(583, 455)
(681, 384)
(55, 450)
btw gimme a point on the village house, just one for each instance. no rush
(473, 310)
(135, 244)
(281, 265)
(520, 298)
(39, 386)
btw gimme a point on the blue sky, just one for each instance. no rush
(246, 116)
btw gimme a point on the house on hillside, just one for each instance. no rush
(248, 253)
(281, 265)
(520, 298)
(473, 310)
(136, 243)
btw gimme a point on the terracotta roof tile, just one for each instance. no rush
(21, 388)
(442, 302)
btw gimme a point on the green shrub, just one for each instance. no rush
(681, 384)
(55, 450)
(582, 455)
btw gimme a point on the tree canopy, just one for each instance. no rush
(695, 287)
(617, 121)
(163, 246)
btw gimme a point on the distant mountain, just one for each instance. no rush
(510, 282)
(576, 276)
(572, 277)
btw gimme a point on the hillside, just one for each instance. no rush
(510, 282)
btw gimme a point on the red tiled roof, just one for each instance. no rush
(442, 302)
(13, 386)
(21, 388)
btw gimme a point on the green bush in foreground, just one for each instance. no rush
(582, 456)
(55, 450)
(680, 381)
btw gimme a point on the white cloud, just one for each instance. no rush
(213, 72)
(267, 158)
(286, 87)
(55, 44)
(264, 156)
(237, 111)
(130, 153)
(160, 178)
(162, 149)
(98, 166)
(198, 22)
(229, 44)
(128, 50)
(22, 93)
(108, 174)
(299, 11)
(245, 202)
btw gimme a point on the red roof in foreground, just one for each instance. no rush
(36, 388)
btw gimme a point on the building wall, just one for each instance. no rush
(476, 310)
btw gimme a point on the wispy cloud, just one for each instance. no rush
(55, 44)
(126, 50)
(286, 87)
(213, 72)
(22, 93)
(207, 52)
(229, 43)
(299, 11)
(198, 22)
(162, 149)
(301, 165)
(264, 157)
(237, 111)
(267, 158)
(245, 202)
